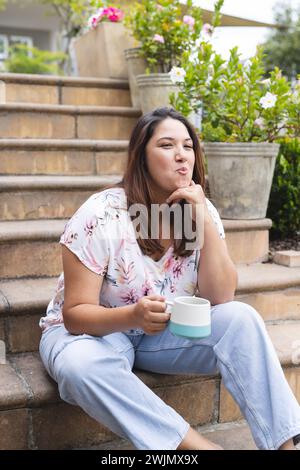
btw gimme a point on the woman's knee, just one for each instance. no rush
(235, 314)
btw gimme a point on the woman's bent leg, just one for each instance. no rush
(253, 375)
(240, 348)
(95, 373)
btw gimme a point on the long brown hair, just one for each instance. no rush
(136, 181)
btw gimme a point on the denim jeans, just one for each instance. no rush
(95, 373)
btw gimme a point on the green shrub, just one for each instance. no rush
(24, 59)
(284, 203)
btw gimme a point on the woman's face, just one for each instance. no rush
(170, 157)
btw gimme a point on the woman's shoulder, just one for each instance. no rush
(113, 197)
(99, 217)
(105, 201)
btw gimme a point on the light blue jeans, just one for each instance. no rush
(95, 373)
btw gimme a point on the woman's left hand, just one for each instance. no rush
(193, 194)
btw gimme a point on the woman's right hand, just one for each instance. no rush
(149, 314)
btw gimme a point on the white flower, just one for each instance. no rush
(177, 74)
(268, 101)
(266, 82)
(100, 12)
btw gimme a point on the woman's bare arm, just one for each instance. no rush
(81, 311)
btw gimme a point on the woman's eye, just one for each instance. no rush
(170, 145)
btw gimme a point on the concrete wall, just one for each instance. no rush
(28, 18)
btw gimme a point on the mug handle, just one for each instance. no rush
(169, 303)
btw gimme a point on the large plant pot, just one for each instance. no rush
(154, 90)
(240, 177)
(100, 52)
(136, 66)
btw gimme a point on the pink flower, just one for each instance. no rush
(158, 38)
(130, 297)
(207, 29)
(113, 14)
(168, 264)
(93, 21)
(178, 268)
(90, 225)
(189, 20)
(69, 236)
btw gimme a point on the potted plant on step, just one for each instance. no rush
(243, 114)
(164, 29)
(99, 52)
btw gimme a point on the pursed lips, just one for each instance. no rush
(182, 170)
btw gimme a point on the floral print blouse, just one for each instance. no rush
(102, 236)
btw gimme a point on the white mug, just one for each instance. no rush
(190, 317)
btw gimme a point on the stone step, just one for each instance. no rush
(24, 301)
(230, 436)
(47, 197)
(26, 88)
(20, 239)
(40, 121)
(290, 258)
(30, 405)
(273, 290)
(71, 157)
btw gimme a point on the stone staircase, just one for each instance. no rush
(50, 162)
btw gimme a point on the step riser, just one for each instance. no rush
(30, 259)
(248, 246)
(62, 162)
(34, 424)
(29, 428)
(53, 94)
(42, 261)
(21, 333)
(48, 204)
(42, 125)
(275, 305)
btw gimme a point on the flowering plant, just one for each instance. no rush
(237, 102)
(165, 29)
(105, 13)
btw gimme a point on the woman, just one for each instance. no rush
(109, 311)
